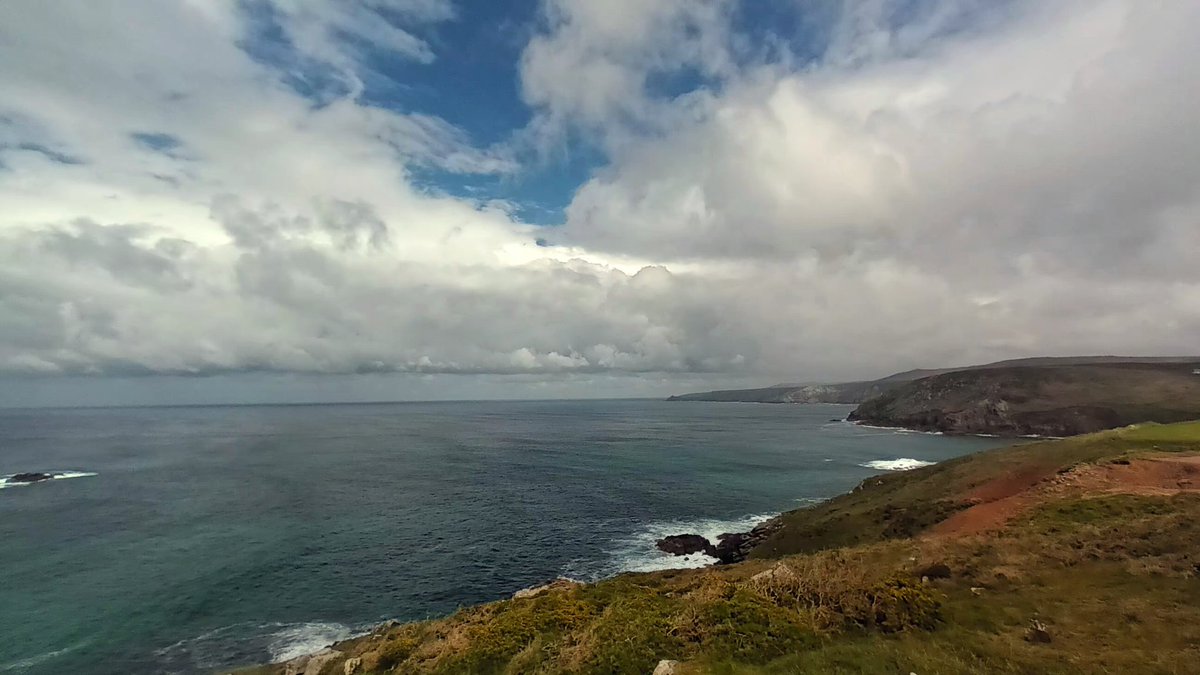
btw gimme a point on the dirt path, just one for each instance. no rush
(999, 501)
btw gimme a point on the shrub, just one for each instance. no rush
(833, 593)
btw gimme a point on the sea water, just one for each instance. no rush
(197, 538)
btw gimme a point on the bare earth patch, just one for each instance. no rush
(997, 502)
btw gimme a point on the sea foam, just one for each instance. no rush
(637, 552)
(296, 640)
(901, 464)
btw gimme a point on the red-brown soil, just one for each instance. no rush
(998, 501)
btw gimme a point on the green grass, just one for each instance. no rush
(903, 504)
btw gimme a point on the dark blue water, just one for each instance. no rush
(221, 536)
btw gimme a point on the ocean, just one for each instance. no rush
(190, 539)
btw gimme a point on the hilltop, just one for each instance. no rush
(861, 391)
(1047, 400)
(1078, 555)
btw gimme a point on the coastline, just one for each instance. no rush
(298, 664)
(940, 557)
(910, 430)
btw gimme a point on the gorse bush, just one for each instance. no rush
(832, 593)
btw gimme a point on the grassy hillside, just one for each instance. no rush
(1068, 556)
(1061, 400)
(858, 392)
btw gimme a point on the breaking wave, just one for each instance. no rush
(901, 464)
(54, 475)
(637, 552)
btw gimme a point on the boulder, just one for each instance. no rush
(559, 584)
(310, 664)
(1037, 632)
(352, 666)
(666, 667)
(732, 547)
(780, 572)
(736, 547)
(685, 544)
(317, 661)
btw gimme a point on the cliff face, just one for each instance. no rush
(1045, 401)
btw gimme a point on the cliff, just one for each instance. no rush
(1054, 400)
(861, 391)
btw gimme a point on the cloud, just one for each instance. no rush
(1047, 164)
(947, 182)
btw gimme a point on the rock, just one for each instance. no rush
(352, 665)
(559, 584)
(370, 661)
(387, 625)
(296, 666)
(310, 664)
(685, 544)
(732, 547)
(1037, 632)
(317, 661)
(33, 477)
(780, 572)
(934, 571)
(666, 667)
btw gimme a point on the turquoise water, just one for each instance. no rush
(212, 537)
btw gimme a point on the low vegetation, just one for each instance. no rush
(1057, 400)
(1091, 566)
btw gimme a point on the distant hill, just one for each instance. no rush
(858, 392)
(845, 392)
(1042, 397)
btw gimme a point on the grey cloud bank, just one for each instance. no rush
(921, 195)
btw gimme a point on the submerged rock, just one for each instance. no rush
(685, 544)
(32, 477)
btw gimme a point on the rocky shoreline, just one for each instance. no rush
(731, 547)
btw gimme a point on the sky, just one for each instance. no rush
(207, 201)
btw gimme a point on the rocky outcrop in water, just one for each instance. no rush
(731, 547)
(684, 544)
(33, 477)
